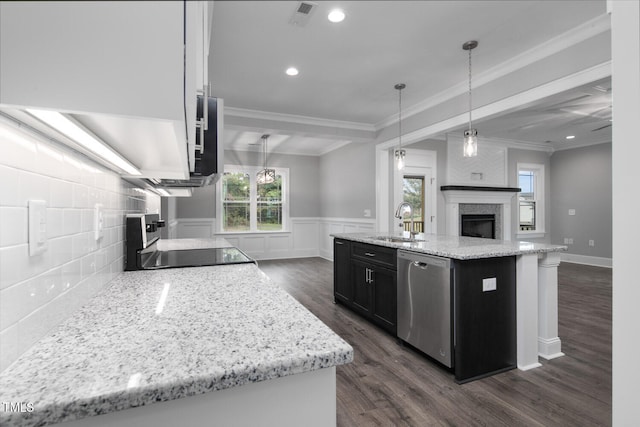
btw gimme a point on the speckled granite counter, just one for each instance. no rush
(154, 336)
(456, 247)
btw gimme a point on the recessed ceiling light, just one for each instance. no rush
(292, 71)
(570, 136)
(336, 15)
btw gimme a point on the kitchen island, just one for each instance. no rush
(536, 281)
(216, 345)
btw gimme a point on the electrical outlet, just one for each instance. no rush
(489, 284)
(37, 227)
(98, 222)
(572, 212)
(592, 243)
(568, 240)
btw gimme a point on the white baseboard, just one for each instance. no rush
(587, 260)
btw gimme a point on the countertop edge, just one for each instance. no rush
(493, 252)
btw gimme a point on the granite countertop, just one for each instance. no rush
(456, 247)
(154, 336)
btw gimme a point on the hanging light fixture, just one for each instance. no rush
(470, 145)
(266, 175)
(400, 153)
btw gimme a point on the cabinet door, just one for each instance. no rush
(342, 284)
(361, 273)
(384, 298)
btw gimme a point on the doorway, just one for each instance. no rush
(414, 184)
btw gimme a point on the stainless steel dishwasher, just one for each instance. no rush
(424, 304)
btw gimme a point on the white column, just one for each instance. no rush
(527, 311)
(549, 345)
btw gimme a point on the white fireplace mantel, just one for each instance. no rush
(455, 195)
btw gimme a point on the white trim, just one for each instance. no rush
(539, 186)
(587, 260)
(292, 118)
(562, 84)
(252, 171)
(557, 44)
(453, 199)
(329, 226)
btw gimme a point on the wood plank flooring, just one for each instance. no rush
(392, 385)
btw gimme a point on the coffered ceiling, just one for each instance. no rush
(347, 71)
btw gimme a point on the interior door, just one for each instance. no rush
(412, 184)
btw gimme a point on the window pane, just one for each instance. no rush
(235, 187)
(269, 205)
(526, 184)
(235, 216)
(271, 192)
(413, 193)
(269, 216)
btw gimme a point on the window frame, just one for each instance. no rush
(538, 197)
(253, 199)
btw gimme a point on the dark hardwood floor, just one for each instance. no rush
(392, 385)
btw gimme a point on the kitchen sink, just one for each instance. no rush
(396, 239)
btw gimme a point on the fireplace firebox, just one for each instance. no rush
(478, 225)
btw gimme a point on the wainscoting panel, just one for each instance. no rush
(308, 237)
(329, 226)
(188, 228)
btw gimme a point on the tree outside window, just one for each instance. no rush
(247, 206)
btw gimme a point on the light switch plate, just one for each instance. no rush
(37, 227)
(489, 284)
(98, 222)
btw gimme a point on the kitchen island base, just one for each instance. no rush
(307, 399)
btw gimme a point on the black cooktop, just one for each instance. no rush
(195, 258)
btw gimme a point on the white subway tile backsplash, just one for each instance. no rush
(9, 348)
(55, 223)
(61, 193)
(33, 187)
(14, 265)
(72, 221)
(13, 226)
(37, 293)
(80, 196)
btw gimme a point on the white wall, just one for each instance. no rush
(38, 292)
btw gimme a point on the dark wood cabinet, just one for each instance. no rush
(485, 320)
(342, 286)
(368, 285)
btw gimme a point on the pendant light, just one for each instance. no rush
(266, 175)
(400, 153)
(470, 145)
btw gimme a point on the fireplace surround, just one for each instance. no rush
(468, 200)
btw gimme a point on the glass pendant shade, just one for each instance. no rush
(470, 143)
(266, 175)
(400, 154)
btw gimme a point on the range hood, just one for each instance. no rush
(205, 156)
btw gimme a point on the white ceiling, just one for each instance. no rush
(348, 70)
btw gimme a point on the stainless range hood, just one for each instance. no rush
(208, 150)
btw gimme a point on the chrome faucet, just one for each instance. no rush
(406, 207)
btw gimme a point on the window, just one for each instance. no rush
(246, 206)
(531, 198)
(413, 193)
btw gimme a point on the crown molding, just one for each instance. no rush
(557, 44)
(292, 118)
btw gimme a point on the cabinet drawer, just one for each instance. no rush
(374, 254)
